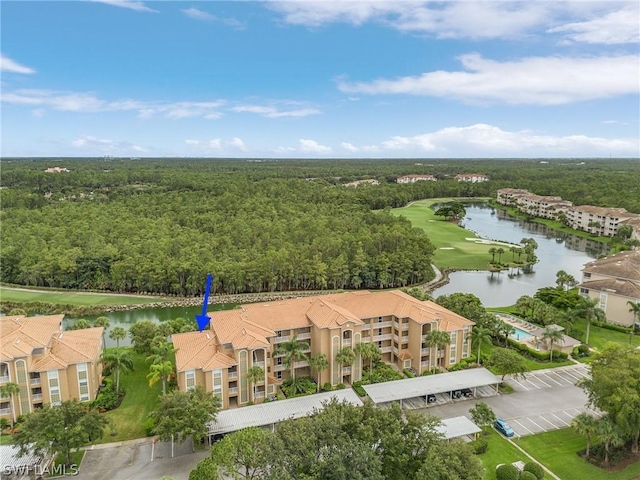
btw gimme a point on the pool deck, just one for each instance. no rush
(535, 342)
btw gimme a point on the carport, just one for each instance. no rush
(458, 427)
(421, 387)
(268, 414)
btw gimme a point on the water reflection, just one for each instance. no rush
(556, 251)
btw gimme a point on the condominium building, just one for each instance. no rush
(48, 365)
(614, 281)
(596, 220)
(415, 178)
(471, 177)
(252, 335)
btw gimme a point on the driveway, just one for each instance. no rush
(546, 400)
(133, 461)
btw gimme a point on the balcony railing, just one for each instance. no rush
(385, 349)
(424, 364)
(36, 397)
(35, 381)
(346, 370)
(282, 339)
(405, 338)
(405, 326)
(233, 391)
(5, 411)
(301, 364)
(304, 336)
(424, 351)
(377, 338)
(4, 379)
(395, 350)
(258, 364)
(346, 341)
(259, 394)
(279, 368)
(382, 324)
(233, 375)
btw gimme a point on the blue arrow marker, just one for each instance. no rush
(202, 319)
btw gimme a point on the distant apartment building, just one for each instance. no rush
(368, 181)
(48, 364)
(471, 177)
(613, 281)
(251, 335)
(596, 220)
(416, 178)
(57, 170)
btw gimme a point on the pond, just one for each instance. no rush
(556, 251)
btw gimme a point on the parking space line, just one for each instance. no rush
(567, 424)
(513, 379)
(528, 418)
(547, 375)
(539, 380)
(522, 426)
(572, 375)
(547, 421)
(567, 377)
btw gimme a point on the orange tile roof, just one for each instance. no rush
(78, 346)
(19, 335)
(194, 349)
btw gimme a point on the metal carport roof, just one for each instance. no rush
(457, 427)
(273, 412)
(431, 384)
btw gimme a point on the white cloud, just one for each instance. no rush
(237, 143)
(533, 80)
(88, 102)
(91, 143)
(311, 146)
(38, 112)
(482, 139)
(198, 14)
(214, 144)
(284, 150)
(349, 147)
(272, 112)
(8, 65)
(617, 27)
(131, 4)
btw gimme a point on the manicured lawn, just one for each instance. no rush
(557, 450)
(6, 439)
(500, 451)
(129, 418)
(452, 248)
(599, 337)
(8, 294)
(531, 364)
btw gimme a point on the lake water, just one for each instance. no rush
(556, 251)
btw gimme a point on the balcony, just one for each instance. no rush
(377, 338)
(233, 375)
(382, 324)
(36, 397)
(405, 338)
(385, 349)
(233, 391)
(5, 411)
(395, 350)
(424, 364)
(4, 379)
(259, 394)
(279, 368)
(424, 351)
(258, 364)
(301, 364)
(281, 339)
(346, 341)
(35, 381)
(304, 336)
(346, 370)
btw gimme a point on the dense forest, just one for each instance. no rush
(160, 225)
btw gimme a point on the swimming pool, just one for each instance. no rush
(520, 334)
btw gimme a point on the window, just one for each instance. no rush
(54, 387)
(584, 291)
(278, 333)
(407, 364)
(453, 348)
(190, 379)
(217, 382)
(279, 375)
(83, 382)
(603, 300)
(586, 275)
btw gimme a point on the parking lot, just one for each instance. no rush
(529, 425)
(444, 398)
(550, 378)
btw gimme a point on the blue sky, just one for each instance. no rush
(321, 79)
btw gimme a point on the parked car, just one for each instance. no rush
(504, 428)
(431, 398)
(456, 394)
(467, 392)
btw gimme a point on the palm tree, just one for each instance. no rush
(552, 335)
(161, 350)
(368, 351)
(104, 323)
(345, 357)
(9, 390)
(80, 324)
(493, 251)
(499, 251)
(609, 434)
(585, 424)
(504, 329)
(160, 371)
(436, 339)
(254, 375)
(117, 334)
(319, 363)
(293, 352)
(119, 360)
(588, 309)
(478, 336)
(635, 309)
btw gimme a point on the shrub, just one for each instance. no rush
(408, 373)
(479, 446)
(583, 350)
(535, 469)
(148, 427)
(107, 399)
(340, 386)
(527, 476)
(327, 387)
(357, 386)
(506, 471)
